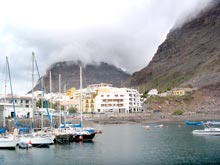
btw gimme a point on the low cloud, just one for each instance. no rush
(122, 33)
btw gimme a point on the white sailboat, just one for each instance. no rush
(7, 141)
(36, 139)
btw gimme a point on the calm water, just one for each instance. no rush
(126, 144)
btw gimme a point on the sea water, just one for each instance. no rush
(128, 144)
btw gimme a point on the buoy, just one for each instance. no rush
(147, 128)
(80, 137)
(99, 132)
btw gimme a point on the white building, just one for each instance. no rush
(110, 100)
(104, 98)
(23, 106)
(153, 92)
(21, 112)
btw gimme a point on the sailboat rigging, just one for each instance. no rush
(8, 141)
(12, 95)
(37, 139)
(42, 89)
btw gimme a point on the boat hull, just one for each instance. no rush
(207, 131)
(37, 141)
(84, 137)
(8, 143)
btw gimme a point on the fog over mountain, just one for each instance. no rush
(189, 57)
(124, 33)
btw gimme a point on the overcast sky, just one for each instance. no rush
(125, 33)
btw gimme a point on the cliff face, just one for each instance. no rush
(190, 56)
(70, 75)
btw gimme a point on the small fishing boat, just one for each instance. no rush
(209, 129)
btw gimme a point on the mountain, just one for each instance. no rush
(92, 74)
(189, 56)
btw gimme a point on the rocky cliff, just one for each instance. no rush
(92, 73)
(190, 56)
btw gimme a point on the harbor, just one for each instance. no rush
(127, 144)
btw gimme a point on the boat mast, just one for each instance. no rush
(33, 105)
(51, 97)
(13, 101)
(6, 72)
(41, 85)
(80, 94)
(59, 98)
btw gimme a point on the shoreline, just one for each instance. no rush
(153, 118)
(134, 118)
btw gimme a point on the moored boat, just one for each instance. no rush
(194, 123)
(209, 129)
(35, 140)
(8, 142)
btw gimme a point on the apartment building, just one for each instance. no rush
(103, 98)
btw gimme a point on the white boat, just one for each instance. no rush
(35, 140)
(209, 129)
(159, 126)
(24, 145)
(8, 142)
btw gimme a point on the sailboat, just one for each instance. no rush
(36, 139)
(8, 141)
(80, 133)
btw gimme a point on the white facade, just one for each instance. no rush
(23, 106)
(103, 98)
(118, 100)
(135, 100)
(21, 101)
(113, 101)
(21, 112)
(153, 92)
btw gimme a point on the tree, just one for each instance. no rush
(72, 109)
